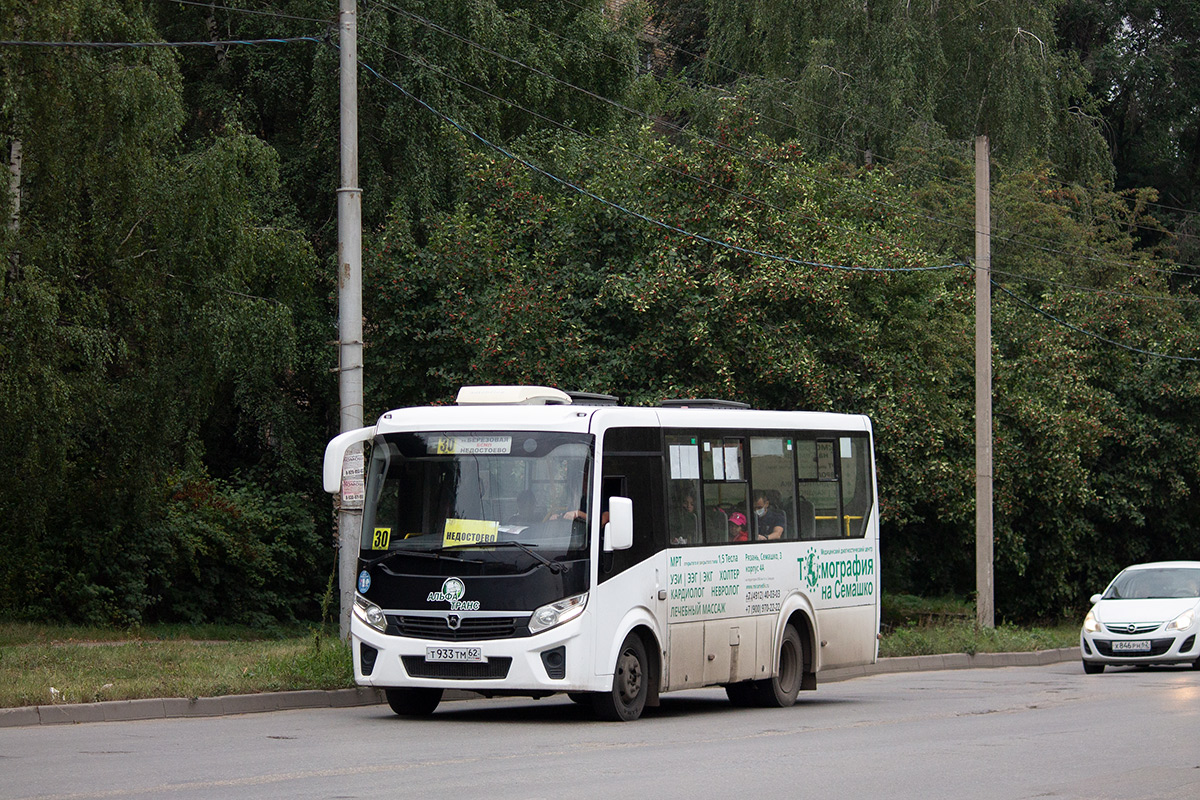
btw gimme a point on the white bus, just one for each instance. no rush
(528, 541)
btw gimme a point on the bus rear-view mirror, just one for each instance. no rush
(618, 533)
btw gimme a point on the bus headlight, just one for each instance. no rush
(557, 613)
(370, 613)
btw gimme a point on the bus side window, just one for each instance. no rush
(817, 476)
(773, 476)
(856, 484)
(683, 489)
(726, 491)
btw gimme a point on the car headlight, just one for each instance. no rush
(1183, 621)
(557, 613)
(1090, 623)
(370, 613)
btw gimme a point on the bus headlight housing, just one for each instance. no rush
(370, 613)
(557, 613)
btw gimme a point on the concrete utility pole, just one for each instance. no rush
(14, 184)
(984, 583)
(350, 364)
(14, 193)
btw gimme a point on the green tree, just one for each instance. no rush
(526, 282)
(149, 294)
(857, 78)
(1145, 70)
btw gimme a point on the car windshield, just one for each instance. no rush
(1159, 582)
(477, 496)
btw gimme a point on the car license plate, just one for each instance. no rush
(1140, 646)
(470, 655)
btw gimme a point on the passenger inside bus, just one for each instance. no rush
(737, 527)
(769, 521)
(685, 524)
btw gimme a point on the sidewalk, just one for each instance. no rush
(126, 710)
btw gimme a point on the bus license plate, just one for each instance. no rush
(470, 655)
(1142, 646)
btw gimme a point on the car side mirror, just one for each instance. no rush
(1096, 598)
(618, 533)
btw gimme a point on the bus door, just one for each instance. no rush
(631, 466)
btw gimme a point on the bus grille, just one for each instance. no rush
(418, 667)
(469, 628)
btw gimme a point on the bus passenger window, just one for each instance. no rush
(685, 517)
(856, 484)
(683, 459)
(817, 474)
(773, 478)
(725, 489)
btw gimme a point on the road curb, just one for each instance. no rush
(883, 666)
(176, 707)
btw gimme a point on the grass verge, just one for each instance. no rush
(965, 637)
(41, 665)
(919, 626)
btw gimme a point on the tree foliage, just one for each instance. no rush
(166, 296)
(153, 310)
(1145, 70)
(875, 77)
(527, 282)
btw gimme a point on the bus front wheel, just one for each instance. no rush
(781, 690)
(624, 703)
(413, 702)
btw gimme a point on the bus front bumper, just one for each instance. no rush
(556, 660)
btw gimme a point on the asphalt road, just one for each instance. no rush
(1013, 732)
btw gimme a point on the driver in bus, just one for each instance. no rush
(527, 513)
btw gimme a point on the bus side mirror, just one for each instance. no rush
(618, 533)
(335, 452)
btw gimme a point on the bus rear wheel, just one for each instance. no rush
(781, 690)
(627, 699)
(413, 702)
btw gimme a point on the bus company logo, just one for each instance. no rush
(841, 574)
(453, 591)
(809, 568)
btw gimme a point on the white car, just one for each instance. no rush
(1149, 614)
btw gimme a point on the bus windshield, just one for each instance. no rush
(477, 496)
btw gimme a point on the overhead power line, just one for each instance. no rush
(1154, 298)
(1085, 332)
(247, 11)
(682, 174)
(960, 226)
(134, 45)
(636, 214)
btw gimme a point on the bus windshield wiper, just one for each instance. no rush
(436, 554)
(554, 566)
